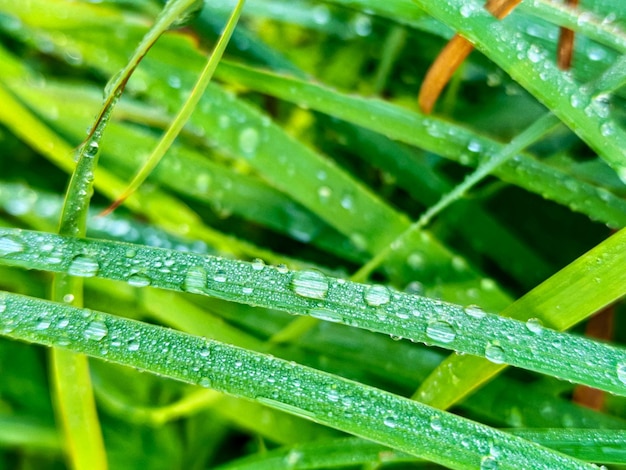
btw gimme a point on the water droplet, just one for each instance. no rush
(534, 54)
(195, 280)
(10, 244)
(441, 331)
(415, 261)
(534, 325)
(495, 353)
(83, 266)
(466, 10)
(133, 345)
(488, 463)
(607, 129)
(205, 382)
(474, 311)
(283, 269)
(96, 330)
(435, 423)
(311, 284)
(220, 276)
(248, 141)
(43, 323)
(377, 295)
(321, 14)
(324, 193)
(362, 25)
(205, 351)
(68, 298)
(621, 372)
(91, 149)
(258, 264)
(332, 395)
(139, 280)
(326, 315)
(3, 304)
(390, 421)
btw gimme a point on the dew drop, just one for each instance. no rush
(488, 463)
(621, 372)
(139, 280)
(441, 331)
(311, 284)
(9, 245)
(415, 261)
(534, 325)
(474, 311)
(326, 315)
(390, 421)
(324, 193)
(377, 295)
(204, 351)
(494, 353)
(83, 266)
(607, 129)
(133, 345)
(205, 382)
(91, 149)
(220, 276)
(96, 330)
(435, 424)
(248, 141)
(3, 304)
(332, 395)
(195, 280)
(258, 264)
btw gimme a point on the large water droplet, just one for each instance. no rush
(441, 331)
(195, 280)
(10, 244)
(377, 295)
(474, 311)
(83, 266)
(96, 330)
(435, 423)
(248, 141)
(311, 284)
(534, 325)
(3, 304)
(621, 372)
(495, 353)
(139, 280)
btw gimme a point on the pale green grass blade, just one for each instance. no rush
(438, 136)
(587, 285)
(389, 419)
(376, 308)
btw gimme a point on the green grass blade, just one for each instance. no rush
(383, 417)
(375, 308)
(188, 107)
(585, 286)
(438, 136)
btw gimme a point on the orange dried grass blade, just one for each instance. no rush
(439, 73)
(452, 56)
(565, 49)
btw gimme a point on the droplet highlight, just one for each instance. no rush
(441, 331)
(83, 266)
(377, 295)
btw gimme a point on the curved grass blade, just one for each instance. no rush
(500, 339)
(360, 410)
(585, 286)
(185, 111)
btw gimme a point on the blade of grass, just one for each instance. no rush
(560, 302)
(376, 308)
(436, 136)
(185, 111)
(361, 410)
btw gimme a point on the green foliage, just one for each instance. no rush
(421, 254)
